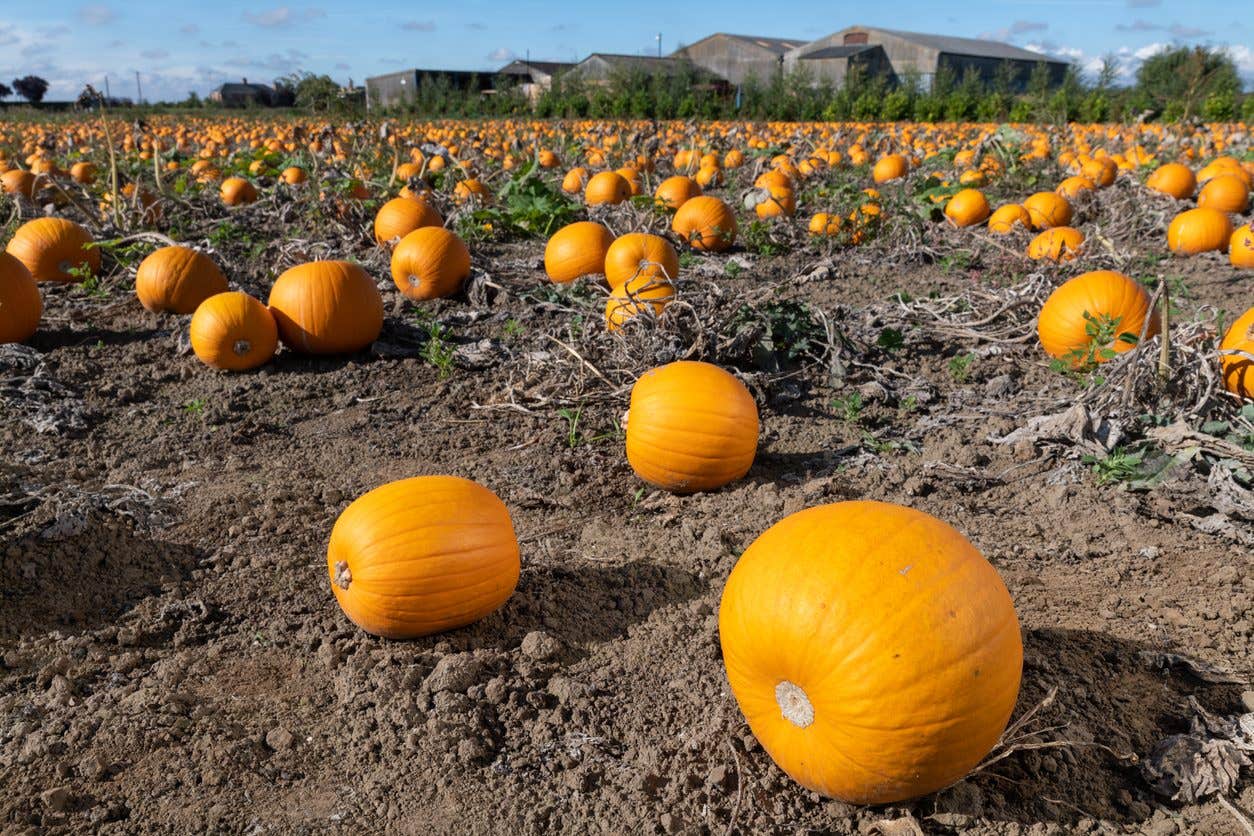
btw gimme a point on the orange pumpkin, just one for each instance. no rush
(1074, 186)
(577, 250)
(1104, 301)
(705, 223)
(1048, 209)
(967, 208)
(327, 307)
(691, 427)
(873, 650)
(236, 191)
(607, 187)
(1199, 230)
(83, 172)
(891, 167)
(574, 180)
(51, 247)
(430, 263)
(823, 224)
(177, 279)
(674, 191)
(1062, 243)
(233, 331)
(1238, 372)
(1241, 247)
(423, 555)
(21, 306)
(1007, 217)
(636, 297)
(1226, 192)
(472, 189)
(401, 216)
(18, 181)
(1174, 179)
(293, 175)
(640, 254)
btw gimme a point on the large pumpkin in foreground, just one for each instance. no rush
(705, 223)
(1238, 372)
(51, 247)
(21, 306)
(577, 250)
(691, 427)
(1102, 310)
(177, 279)
(873, 650)
(327, 307)
(422, 556)
(233, 331)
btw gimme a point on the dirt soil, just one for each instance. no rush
(172, 659)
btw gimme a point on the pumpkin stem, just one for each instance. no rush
(343, 577)
(794, 705)
(414, 281)
(242, 347)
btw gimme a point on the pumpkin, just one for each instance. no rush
(1199, 230)
(233, 331)
(1101, 172)
(1074, 186)
(177, 279)
(51, 247)
(825, 224)
(1062, 243)
(1226, 192)
(83, 172)
(21, 306)
(674, 191)
(1108, 302)
(293, 175)
(640, 254)
(1007, 217)
(548, 159)
(691, 427)
(18, 181)
(574, 180)
(1220, 166)
(967, 208)
(236, 191)
(773, 201)
(635, 297)
(892, 167)
(705, 223)
(1047, 209)
(472, 189)
(607, 187)
(327, 307)
(423, 555)
(873, 650)
(430, 263)
(577, 250)
(401, 216)
(1241, 247)
(1174, 179)
(1238, 372)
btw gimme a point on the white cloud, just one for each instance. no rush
(97, 14)
(501, 54)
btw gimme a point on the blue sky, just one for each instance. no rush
(180, 49)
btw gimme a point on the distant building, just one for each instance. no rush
(736, 57)
(602, 67)
(243, 94)
(398, 88)
(833, 63)
(533, 77)
(924, 55)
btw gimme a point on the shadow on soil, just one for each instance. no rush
(1109, 692)
(84, 577)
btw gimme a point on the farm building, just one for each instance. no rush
(533, 77)
(400, 87)
(737, 57)
(243, 94)
(602, 67)
(924, 55)
(833, 63)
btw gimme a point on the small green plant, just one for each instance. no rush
(757, 238)
(732, 269)
(848, 408)
(960, 367)
(512, 330)
(1103, 332)
(782, 333)
(908, 405)
(195, 407)
(890, 339)
(572, 424)
(437, 350)
(687, 259)
(955, 261)
(89, 283)
(1119, 465)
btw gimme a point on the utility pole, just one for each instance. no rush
(659, 44)
(139, 91)
(107, 96)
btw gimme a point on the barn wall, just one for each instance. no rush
(391, 89)
(732, 59)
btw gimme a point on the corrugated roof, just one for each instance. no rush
(546, 67)
(966, 46)
(839, 51)
(649, 64)
(777, 45)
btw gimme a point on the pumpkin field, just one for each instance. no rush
(525, 476)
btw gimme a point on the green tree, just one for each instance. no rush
(1178, 80)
